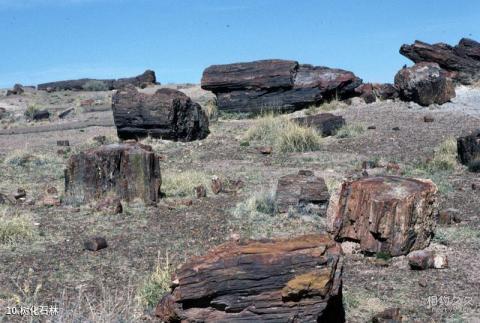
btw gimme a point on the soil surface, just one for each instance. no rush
(55, 261)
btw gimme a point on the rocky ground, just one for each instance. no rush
(50, 265)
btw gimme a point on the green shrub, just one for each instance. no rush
(95, 85)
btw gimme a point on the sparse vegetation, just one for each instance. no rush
(283, 134)
(15, 227)
(95, 85)
(350, 131)
(211, 110)
(156, 284)
(31, 110)
(182, 184)
(332, 105)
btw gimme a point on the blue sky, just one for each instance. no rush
(47, 40)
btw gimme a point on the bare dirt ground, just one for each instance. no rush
(51, 267)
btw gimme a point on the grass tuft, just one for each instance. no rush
(15, 228)
(283, 134)
(350, 131)
(175, 184)
(157, 284)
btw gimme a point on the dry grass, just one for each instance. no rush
(350, 131)
(283, 134)
(15, 227)
(157, 284)
(211, 110)
(182, 184)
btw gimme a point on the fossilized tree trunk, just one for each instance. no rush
(127, 170)
(384, 214)
(296, 280)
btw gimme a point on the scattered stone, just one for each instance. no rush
(127, 170)
(475, 186)
(5, 199)
(422, 282)
(325, 124)
(49, 200)
(110, 204)
(148, 77)
(425, 84)
(386, 214)
(259, 281)
(423, 259)
(366, 92)
(462, 62)
(200, 191)
(17, 90)
(350, 247)
(469, 148)
(95, 244)
(428, 119)
(279, 84)
(390, 315)
(217, 185)
(385, 91)
(20, 194)
(396, 128)
(40, 115)
(167, 114)
(371, 127)
(100, 139)
(65, 113)
(63, 143)
(297, 190)
(265, 150)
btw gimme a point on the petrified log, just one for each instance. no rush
(297, 190)
(128, 171)
(385, 91)
(462, 60)
(296, 280)
(425, 84)
(260, 101)
(468, 148)
(256, 75)
(325, 124)
(332, 82)
(148, 77)
(17, 90)
(276, 85)
(40, 115)
(384, 214)
(167, 114)
(366, 92)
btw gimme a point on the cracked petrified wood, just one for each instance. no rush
(297, 190)
(167, 114)
(128, 171)
(384, 214)
(469, 148)
(296, 280)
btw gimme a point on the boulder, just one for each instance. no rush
(167, 114)
(386, 214)
(17, 90)
(462, 61)
(468, 148)
(128, 171)
(424, 259)
(296, 280)
(95, 244)
(40, 115)
(297, 190)
(325, 124)
(256, 75)
(278, 85)
(365, 91)
(425, 84)
(148, 77)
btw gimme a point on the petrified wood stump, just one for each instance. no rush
(167, 114)
(297, 280)
(384, 214)
(126, 170)
(299, 189)
(469, 148)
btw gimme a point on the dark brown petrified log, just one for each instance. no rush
(296, 280)
(384, 214)
(167, 114)
(128, 171)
